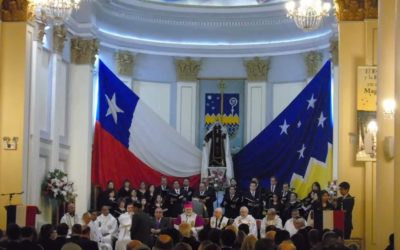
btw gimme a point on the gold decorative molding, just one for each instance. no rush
(40, 25)
(84, 51)
(16, 10)
(334, 49)
(187, 69)
(257, 69)
(125, 62)
(356, 10)
(59, 37)
(313, 61)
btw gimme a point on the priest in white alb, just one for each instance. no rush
(108, 227)
(219, 221)
(70, 218)
(246, 218)
(196, 221)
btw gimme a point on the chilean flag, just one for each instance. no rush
(132, 142)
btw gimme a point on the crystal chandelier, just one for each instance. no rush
(308, 14)
(57, 10)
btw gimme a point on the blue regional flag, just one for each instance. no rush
(296, 147)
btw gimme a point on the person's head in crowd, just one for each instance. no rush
(164, 242)
(391, 240)
(122, 204)
(273, 180)
(232, 190)
(232, 228)
(293, 197)
(186, 182)
(158, 213)
(62, 230)
(105, 210)
(314, 237)
(233, 182)
(299, 222)
(215, 235)
(46, 232)
(239, 239)
(133, 194)
(152, 189)
(316, 187)
(143, 201)
(142, 185)
(110, 185)
(324, 196)
(173, 233)
(28, 233)
(270, 228)
(249, 242)
(299, 241)
(164, 181)
(129, 208)
(265, 244)
(127, 184)
(71, 209)
(340, 235)
(344, 188)
(76, 230)
(228, 238)
(202, 186)
(275, 198)
(295, 213)
(255, 179)
(212, 246)
(185, 229)
(203, 234)
(244, 228)
(253, 186)
(280, 236)
(204, 244)
(86, 232)
(271, 214)
(71, 246)
(94, 215)
(244, 211)
(182, 246)
(159, 199)
(270, 235)
(218, 213)
(111, 194)
(286, 187)
(133, 244)
(287, 245)
(86, 218)
(188, 206)
(137, 207)
(176, 184)
(329, 238)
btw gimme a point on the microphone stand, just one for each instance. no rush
(10, 196)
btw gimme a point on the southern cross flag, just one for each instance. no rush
(132, 142)
(297, 146)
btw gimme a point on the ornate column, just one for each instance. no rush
(187, 97)
(256, 96)
(313, 61)
(83, 54)
(125, 62)
(59, 38)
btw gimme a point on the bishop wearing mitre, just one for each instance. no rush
(196, 221)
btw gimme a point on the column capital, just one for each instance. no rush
(125, 61)
(356, 10)
(257, 69)
(334, 49)
(313, 61)
(16, 10)
(187, 69)
(84, 51)
(59, 38)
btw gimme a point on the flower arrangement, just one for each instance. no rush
(218, 178)
(57, 187)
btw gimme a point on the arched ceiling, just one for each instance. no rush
(192, 30)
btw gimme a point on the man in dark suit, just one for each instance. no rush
(207, 197)
(76, 232)
(273, 187)
(187, 190)
(141, 226)
(85, 242)
(232, 203)
(346, 204)
(285, 195)
(159, 223)
(228, 238)
(62, 232)
(175, 197)
(27, 234)
(253, 201)
(163, 189)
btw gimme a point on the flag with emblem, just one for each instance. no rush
(132, 142)
(296, 147)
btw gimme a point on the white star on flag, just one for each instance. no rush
(311, 102)
(299, 124)
(113, 109)
(284, 127)
(321, 120)
(301, 151)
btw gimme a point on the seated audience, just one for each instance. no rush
(287, 245)
(391, 243)
(228, 238)
(249, 242)
(290, 225)
(183, 246)
(13, 234)
(246, 218)
(160, 222)
(185, 230)
(28, 240)
(45, 237)
(62, 233)
(164, 242)
(265, 244)
(86, 243)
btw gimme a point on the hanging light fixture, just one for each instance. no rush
(308, 14)
(56, 10)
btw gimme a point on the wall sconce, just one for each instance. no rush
(389, 106)
(10, 143)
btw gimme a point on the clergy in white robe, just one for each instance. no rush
(125, 222)
(218, 221)
(271, 219)
(70, 218)
(108, 227)
(246, 218)
(194, 220)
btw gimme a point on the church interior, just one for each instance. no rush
(188, 65)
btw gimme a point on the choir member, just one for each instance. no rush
(160, 223)
(111, 202)
(219, 221)
(196, 222)
(232, 202)
(313, 196)
(246, 218)
(206, 197)
(104, 195)
(142, 191)
(145, 206)
(276, 204)
(70, 218)
(187, 190)
(108, 227)
(252, 200)
(272, 189)
(125, 222)
(163, 189)
(319, 207)
(120, 209)
(175, 200)
(285, 196)
(232, 183)
(292, 204)
(271, 219)
(125, 190)
(133, 198)
(346, 204)
(159, 203)
(151, 194)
